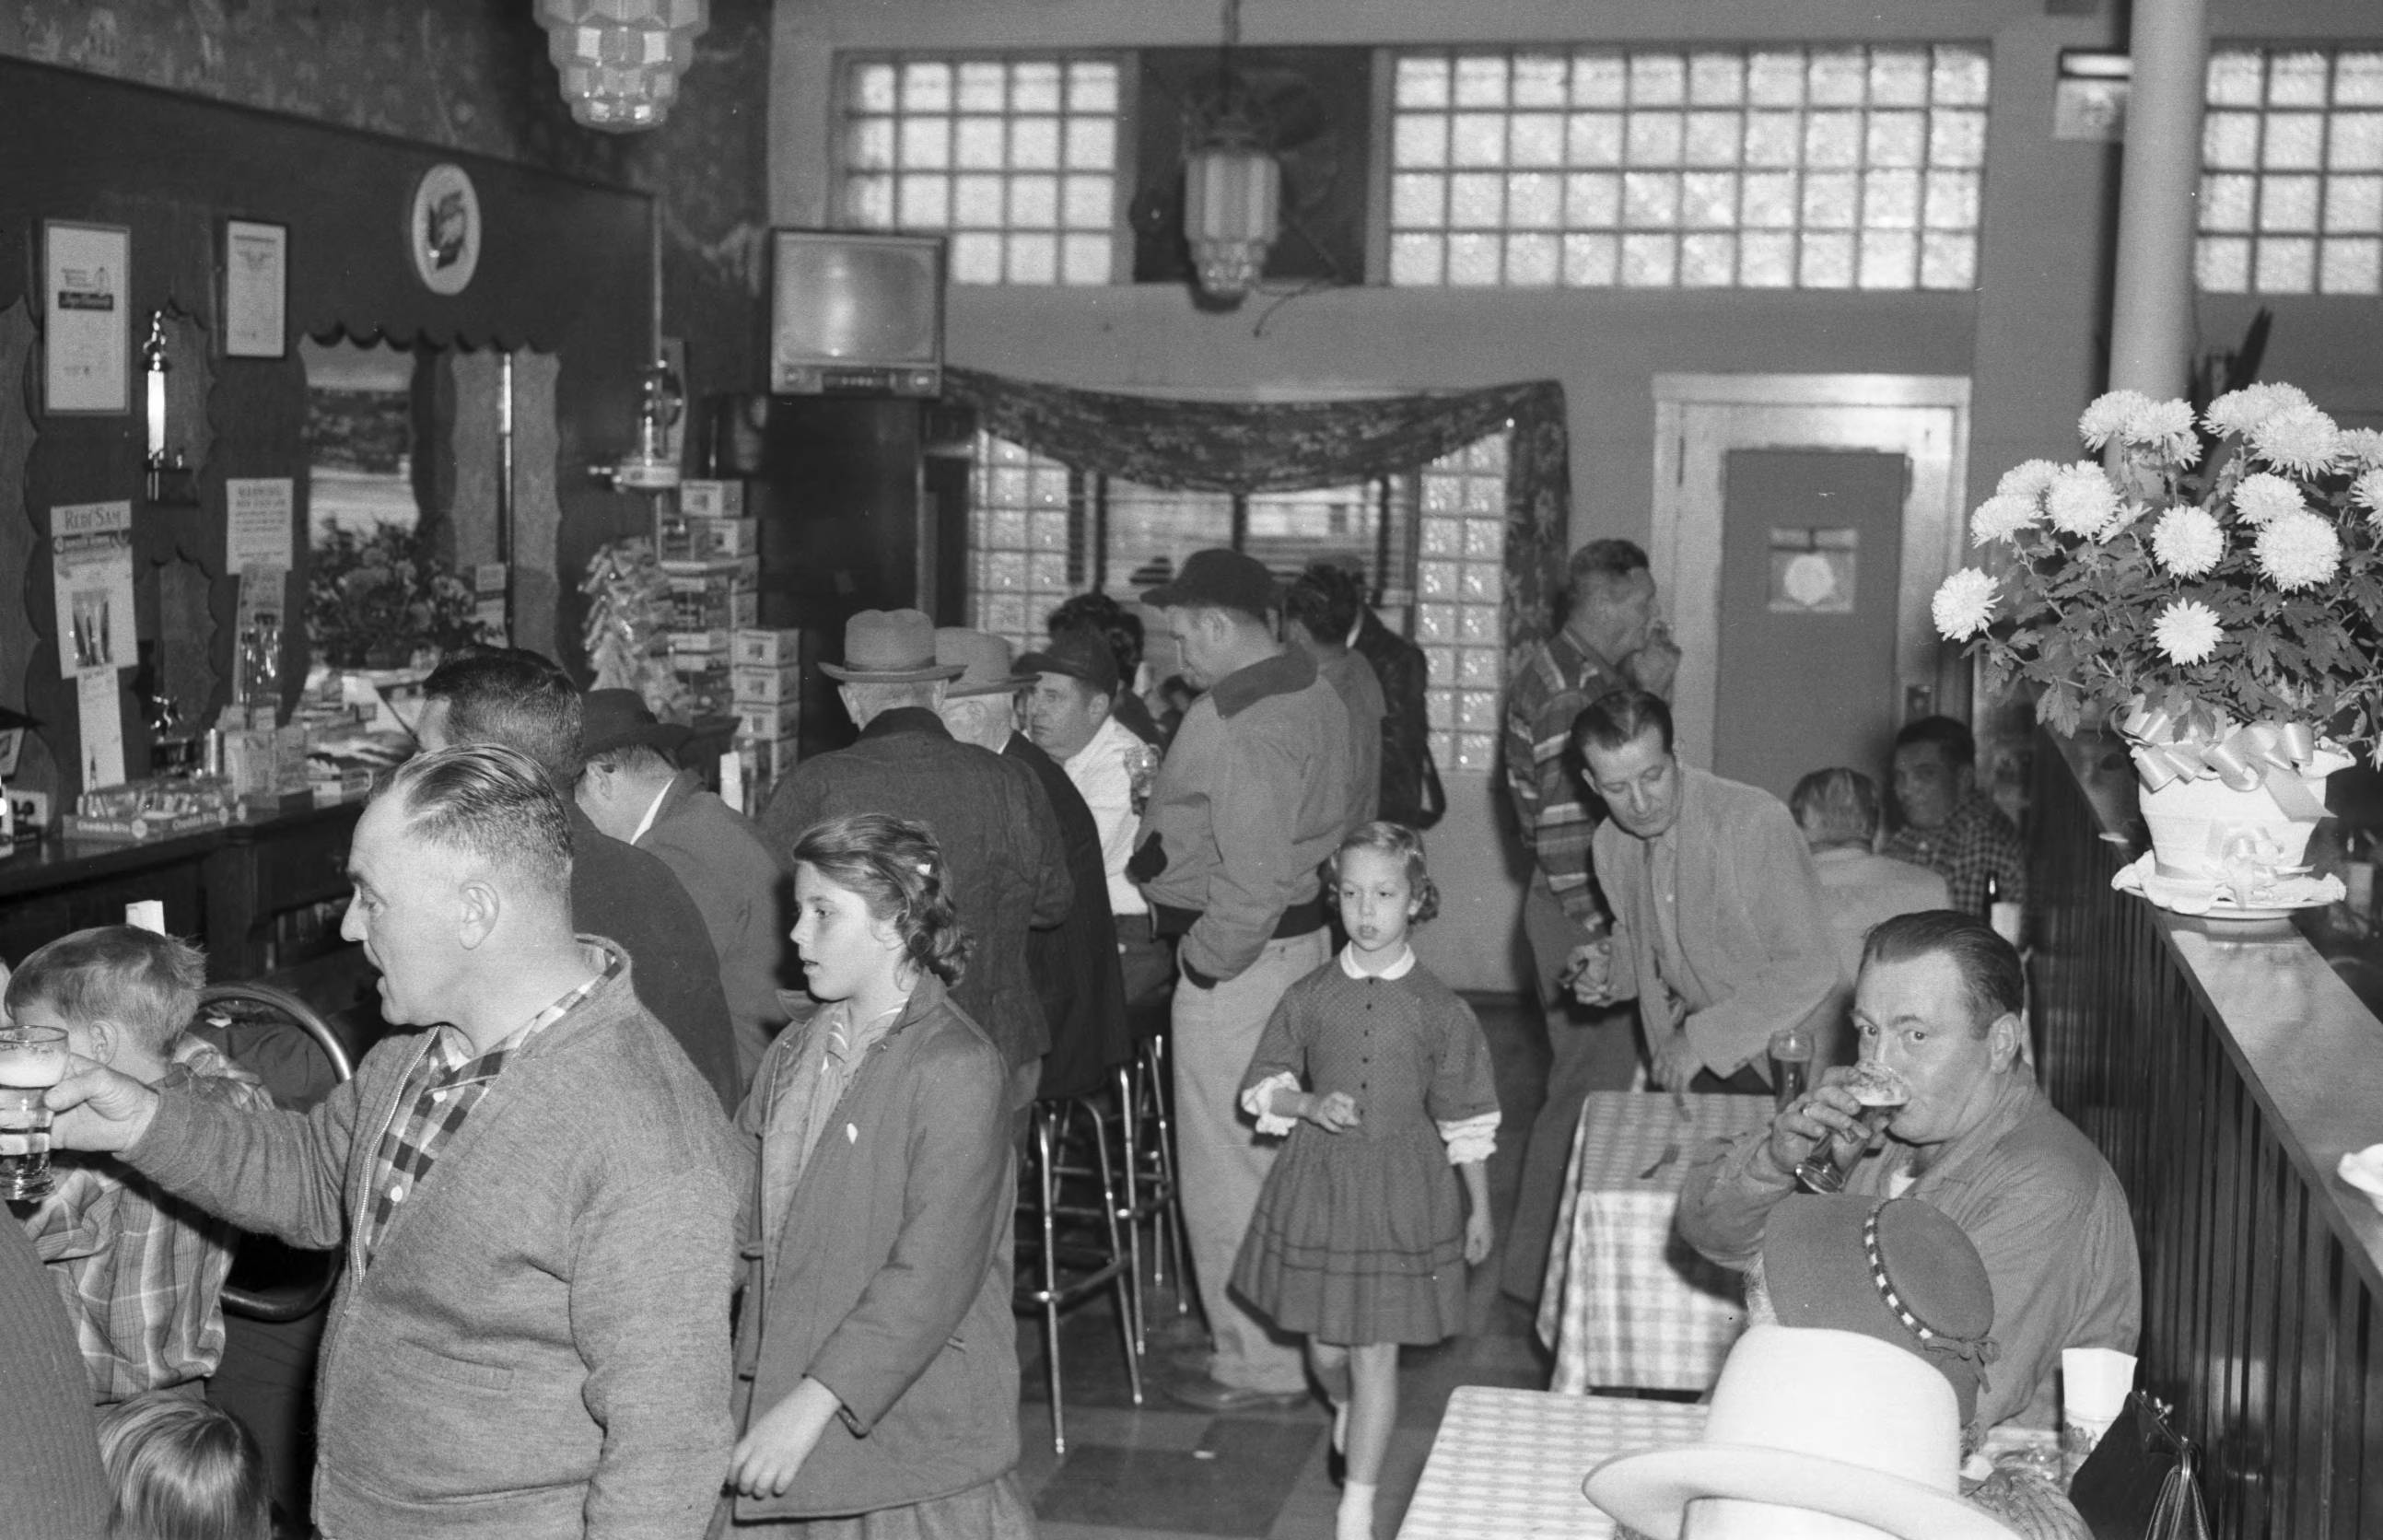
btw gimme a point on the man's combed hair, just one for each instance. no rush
(1325, 600)
(144, 983)
(1617, 721)
(492, 802)
(898, 870)
(1989, 966)
(1836, 806)
(516, 697)
(1603, 561)
(1107, 619)
(1959, 746)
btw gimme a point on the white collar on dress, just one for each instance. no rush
(1400, 969)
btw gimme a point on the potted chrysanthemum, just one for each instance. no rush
(2219, 609)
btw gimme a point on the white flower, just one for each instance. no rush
(2109, 413)
(2299, 438)
(2027, 479)
(1964, 604)
(2081, 500)
(2367, 492)
(2298, 550)
(2001, 518)
(2187, 631)
(2238, 412)
(2187, 541)
(2165, 429)
(2363, 448)
(2263, 496)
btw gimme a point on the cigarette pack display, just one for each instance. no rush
(712, 500)
(701, 641)
(691, 540)
(775, 649)
(761, 686)
(713, 595)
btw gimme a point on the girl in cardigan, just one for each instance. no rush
(1359, 1241)
(877, 1360)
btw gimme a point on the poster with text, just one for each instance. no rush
(90, 573)
(256, 523)
(86, 318)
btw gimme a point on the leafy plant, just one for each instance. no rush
(2239, 587)
(376, 599)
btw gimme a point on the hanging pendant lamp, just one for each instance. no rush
(621, 59)
(1232, 184)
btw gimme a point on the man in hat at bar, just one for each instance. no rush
(1938, 1001)
(1070, 716)
(1251, 797)
(1074, 964)
(631, 787)
(995, 827)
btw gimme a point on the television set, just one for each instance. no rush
(856, 313)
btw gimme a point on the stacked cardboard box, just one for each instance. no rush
(710, 600)
(709, 523)
(766, 677)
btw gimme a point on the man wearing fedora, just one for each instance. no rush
(1938, 1001)
(1074, 964)
(995, 825)
(632, 788)
(1071, 717)
(1251, 799)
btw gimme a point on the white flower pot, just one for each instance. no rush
(2197, 826)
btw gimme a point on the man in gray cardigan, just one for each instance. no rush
(1719, 929)
(535, 1195)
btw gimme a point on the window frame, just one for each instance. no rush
(2251, 234)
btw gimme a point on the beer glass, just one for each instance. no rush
(33, 1059)
(1880, 1090)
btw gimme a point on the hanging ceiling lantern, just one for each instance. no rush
(1232, 191)
(621, 59)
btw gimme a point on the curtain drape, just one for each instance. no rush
(1247, 447)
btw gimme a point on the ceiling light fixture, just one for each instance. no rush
(1232, 184)
(621, 59)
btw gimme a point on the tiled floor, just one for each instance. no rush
(1161, 1472)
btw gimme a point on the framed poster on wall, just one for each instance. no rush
(86, 318)
(256, 288)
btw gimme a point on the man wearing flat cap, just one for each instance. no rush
(995, 827)
(632, 788)
(1070, 716)
(1075, 963)
(1251, 799)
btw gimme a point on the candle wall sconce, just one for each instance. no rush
(170, 458)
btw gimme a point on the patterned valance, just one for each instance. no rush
(1244, 447)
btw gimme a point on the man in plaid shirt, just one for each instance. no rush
(1948, 824)
(1610, 641)
(141, 1272)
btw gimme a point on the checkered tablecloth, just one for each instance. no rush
(1625, 1302)
(1507, 1464)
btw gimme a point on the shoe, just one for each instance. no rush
(1207, 1395)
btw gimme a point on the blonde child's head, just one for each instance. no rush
(895, 868)
(1399, 843)
(183, 1470)
(122, 994)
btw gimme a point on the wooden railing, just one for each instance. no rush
(2223, 1069)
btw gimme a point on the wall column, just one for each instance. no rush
(2159, 187)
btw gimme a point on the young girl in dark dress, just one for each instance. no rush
(1359, 1240)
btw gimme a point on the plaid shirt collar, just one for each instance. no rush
(442, 1088)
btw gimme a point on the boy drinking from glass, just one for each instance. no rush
(141, 1272)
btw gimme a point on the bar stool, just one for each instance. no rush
(1152, 1196)
(1092, 1255)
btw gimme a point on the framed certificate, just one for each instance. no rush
(86, 318)
(256, 288)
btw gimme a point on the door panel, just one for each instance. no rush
(1811, 558)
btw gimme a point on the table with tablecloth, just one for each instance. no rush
(1507, 1464)
(1626, 1303)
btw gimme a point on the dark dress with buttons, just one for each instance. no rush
(1359, 1236)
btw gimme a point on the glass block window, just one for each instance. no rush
(1433, 543)
(1852, 167)
(1016, 157)
(1460, 600)
(1021, 514)
(2291, 185)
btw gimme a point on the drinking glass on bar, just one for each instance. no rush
(33, 1059)
(1873, 1084)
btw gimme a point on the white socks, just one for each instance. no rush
(1356, 1521)
(1340, 1427)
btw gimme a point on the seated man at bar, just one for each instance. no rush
(1717, 917)
(1948, 824)
(525, 701)
(1837, 810)
(1938, 1003)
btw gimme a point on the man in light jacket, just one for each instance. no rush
(535, 1195)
